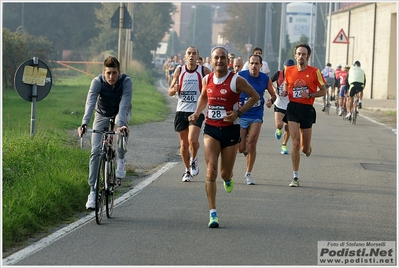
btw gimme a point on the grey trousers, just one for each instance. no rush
(101, 122)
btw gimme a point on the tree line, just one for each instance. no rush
(46, 29)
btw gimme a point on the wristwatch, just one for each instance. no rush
(239, 113)
(310, 95)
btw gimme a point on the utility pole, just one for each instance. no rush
(121, 12)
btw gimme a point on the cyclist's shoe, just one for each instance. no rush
(284, 149)
(278, 133)
(310, 151)
(324, 108)
(348, 116)
(294, 182)
(91, 200)
(194, 167)
(359, 105)
(228, 185)
(186, 177)
(121, 168)
(248, 180)
(213, 220)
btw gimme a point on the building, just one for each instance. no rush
(370, 30)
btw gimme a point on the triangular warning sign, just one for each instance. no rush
(341, 38)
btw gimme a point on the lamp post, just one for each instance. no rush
(194, 21)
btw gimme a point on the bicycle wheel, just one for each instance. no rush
(100, 190)
(109, 195)
(354, 116)
(328, 107)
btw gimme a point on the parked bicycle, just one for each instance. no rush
(107, 182)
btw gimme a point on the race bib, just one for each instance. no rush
(281, 89)
(216, 112)
(188, 96)
(297, 91)
(257, 104)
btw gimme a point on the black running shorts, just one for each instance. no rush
(227, 136)
(303, 114)
(182, 123)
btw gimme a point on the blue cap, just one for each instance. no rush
(289, 62)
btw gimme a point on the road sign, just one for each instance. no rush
(33, 82)
(341, 38)
(31, 74)
(127, 20)
(248, 47)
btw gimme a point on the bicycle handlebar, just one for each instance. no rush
(124, 135)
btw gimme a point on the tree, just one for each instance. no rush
(173, 44)
(67, 25)
(203, 29)
(20, 47)
(240, 30)
(150, 22)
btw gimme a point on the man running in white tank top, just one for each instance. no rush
(187, 84)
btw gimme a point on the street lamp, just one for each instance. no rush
(195, 18)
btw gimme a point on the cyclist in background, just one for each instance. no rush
(329, 75)
(110, 94)
(337, 85)
(356, 82)
(343, 90)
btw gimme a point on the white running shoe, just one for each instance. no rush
(348, 116)
(186, 177)
(91, 200)
(248, 180)
(340, 112)
(194, 168)
(294, 182)
(121, 168)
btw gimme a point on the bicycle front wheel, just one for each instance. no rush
(109, 196)
(100, 190)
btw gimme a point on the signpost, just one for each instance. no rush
(33, 82)
(341, 38)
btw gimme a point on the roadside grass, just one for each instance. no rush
(45, 176)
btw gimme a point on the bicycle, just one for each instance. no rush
(329, 86)
(106, 181)
(355, 111)
(328, 103)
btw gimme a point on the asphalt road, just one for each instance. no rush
(347, 193)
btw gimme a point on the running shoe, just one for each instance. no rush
(348, 116)
(213, 220)
(245, 153)
(294, 182)
(278, 133)
(284, 149)
(310, 151)
(187, 177)
(228, 185)
(359, 105)
(194, 167)
(340, 112)
(121, 168)
(324, 108)
(91, 200)
(248, 180)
